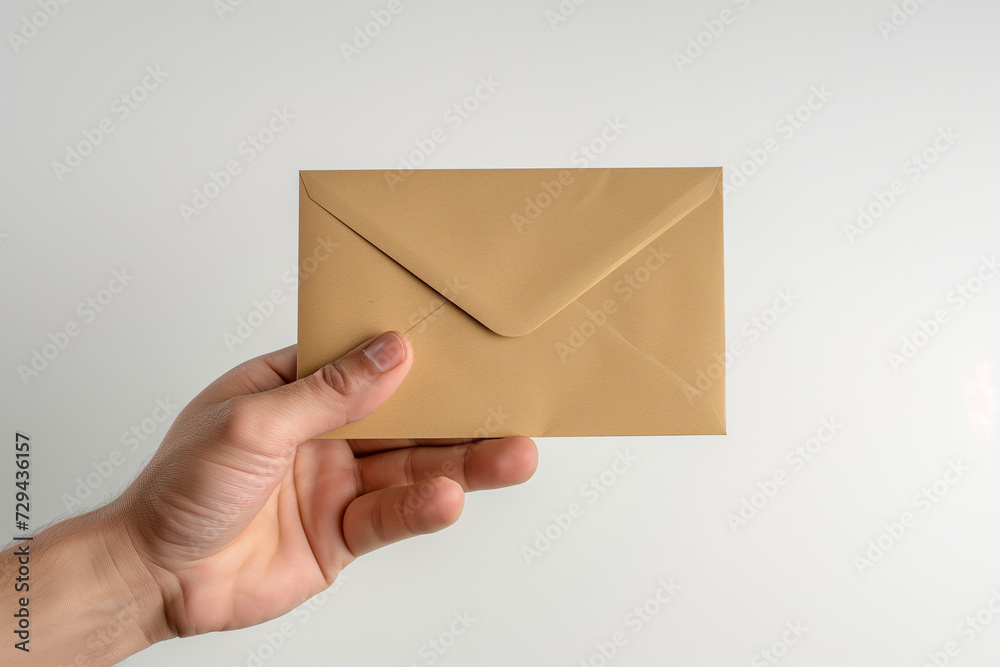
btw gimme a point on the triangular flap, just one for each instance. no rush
(511, 247)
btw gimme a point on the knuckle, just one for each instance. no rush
(242, 419)
(466, 480)
(378, 523)
(407, 517)
(337, 377)
(240, 416)
(409, 475)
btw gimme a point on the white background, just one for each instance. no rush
(668, 516)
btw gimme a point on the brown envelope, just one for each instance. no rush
(540, 302)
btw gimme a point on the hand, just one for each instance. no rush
(241, 515)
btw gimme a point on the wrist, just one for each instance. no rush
(92, 600)
(128, 580)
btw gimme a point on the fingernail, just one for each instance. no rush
(386, 351)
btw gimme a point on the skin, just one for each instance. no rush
(242, 514)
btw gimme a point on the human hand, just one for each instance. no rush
(241, 515)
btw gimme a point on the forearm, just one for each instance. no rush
(89, 599)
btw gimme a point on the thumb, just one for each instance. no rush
(339, 393)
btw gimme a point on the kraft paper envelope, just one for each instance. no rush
(539, 302)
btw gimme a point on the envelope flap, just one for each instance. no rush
(511, 247)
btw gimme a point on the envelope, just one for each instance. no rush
(539, 302)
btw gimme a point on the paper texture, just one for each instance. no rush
(540, 302)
